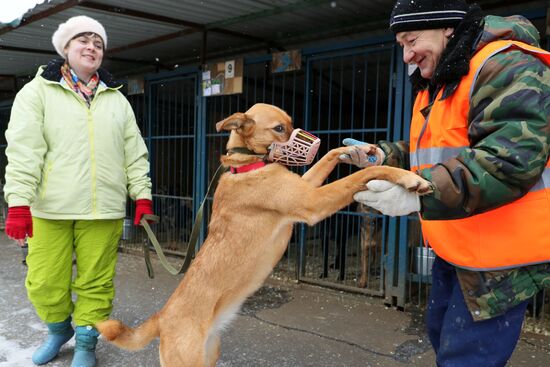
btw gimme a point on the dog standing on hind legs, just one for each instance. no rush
(251, 223)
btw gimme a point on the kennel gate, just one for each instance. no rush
(168, 116)
(342, 101)
(339, 93)
(358, 91)
(177, 124)
(362, 93)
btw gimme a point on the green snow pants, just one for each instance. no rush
(50, 280)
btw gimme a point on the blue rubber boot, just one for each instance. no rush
(58, 334)
(84, 350)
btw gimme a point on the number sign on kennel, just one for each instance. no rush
(221, 78)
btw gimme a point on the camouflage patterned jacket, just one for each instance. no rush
(503, 161)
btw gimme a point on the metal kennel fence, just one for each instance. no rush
(358, 89)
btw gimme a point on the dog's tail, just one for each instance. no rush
(129, 338)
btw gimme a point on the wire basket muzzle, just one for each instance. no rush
(299, 150)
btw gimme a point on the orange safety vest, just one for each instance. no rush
(512, 235)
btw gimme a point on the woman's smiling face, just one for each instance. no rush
(424, 48)
(85, 53)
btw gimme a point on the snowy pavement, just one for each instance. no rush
(283, 325)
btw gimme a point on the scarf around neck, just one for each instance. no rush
(84, 90)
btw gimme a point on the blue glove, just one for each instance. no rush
(362, 154)
(349, 142)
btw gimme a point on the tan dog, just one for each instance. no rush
(250, 226)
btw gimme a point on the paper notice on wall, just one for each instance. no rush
(206, 87)
(216, 89)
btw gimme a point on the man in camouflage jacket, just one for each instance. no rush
(492, 293)
(501, 164)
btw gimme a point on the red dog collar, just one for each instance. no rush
(248, 167)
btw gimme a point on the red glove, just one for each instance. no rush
(19, 222)
(143, 206)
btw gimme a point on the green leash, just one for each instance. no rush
(190, 254)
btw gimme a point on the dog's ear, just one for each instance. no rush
(237, 121)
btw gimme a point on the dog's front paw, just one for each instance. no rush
(339, 151)
(414, 182)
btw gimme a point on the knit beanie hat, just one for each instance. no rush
(74, 26)
(414, 15)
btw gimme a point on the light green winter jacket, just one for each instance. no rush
(68, 161)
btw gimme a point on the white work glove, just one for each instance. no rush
(389, 198)
(362, 154)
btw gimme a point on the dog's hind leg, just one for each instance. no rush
(162, 363)
(184, 348)
(212, 349)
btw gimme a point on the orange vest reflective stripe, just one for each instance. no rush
(512, 235)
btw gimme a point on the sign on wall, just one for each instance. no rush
(136, 85)
(286, 61)
(221, 78)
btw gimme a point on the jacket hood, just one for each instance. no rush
(52, 72)
(514, 28)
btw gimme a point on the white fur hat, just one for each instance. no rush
(76, 25)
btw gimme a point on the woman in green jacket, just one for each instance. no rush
(74, 155)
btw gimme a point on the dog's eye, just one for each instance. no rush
(279, 128)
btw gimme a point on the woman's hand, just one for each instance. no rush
(19, 223)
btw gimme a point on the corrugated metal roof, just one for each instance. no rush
(187, 47)
(231, 25)
(141, 31)
(12, 61)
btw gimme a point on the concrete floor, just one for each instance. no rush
(284, 325)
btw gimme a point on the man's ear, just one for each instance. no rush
(237, 121)
(448, 32)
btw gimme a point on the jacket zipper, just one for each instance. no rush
(45, 179)
(90, 123)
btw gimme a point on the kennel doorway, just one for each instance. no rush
(356, 90)
(349, 95)
(338, 93)
(168, 115)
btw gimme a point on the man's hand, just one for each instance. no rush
(19, 223)
(362, 154)
(389, 198)
(143, 206)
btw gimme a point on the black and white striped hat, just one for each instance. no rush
(413, 15)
